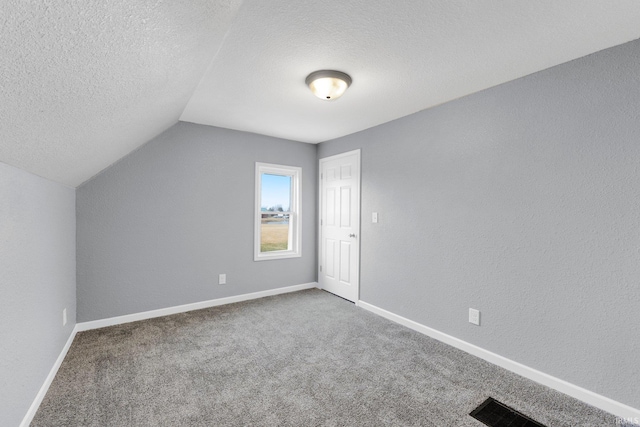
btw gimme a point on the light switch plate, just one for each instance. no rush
(374, 217)
(222, 279)
(474, 316)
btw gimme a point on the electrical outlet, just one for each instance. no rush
(222, 279)
(64, 317)
(374, 217)
(474, 316)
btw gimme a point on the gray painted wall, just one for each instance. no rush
(522, 201)
(37, 281)
(156, 229)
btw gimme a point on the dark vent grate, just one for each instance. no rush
(496, 414)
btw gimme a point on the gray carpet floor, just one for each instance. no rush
(302, 359)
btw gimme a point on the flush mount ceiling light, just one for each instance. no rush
(328, 84)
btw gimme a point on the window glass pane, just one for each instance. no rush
(274, 232)
(276, 193)
(275, 201)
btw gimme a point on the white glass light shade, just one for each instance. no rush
(328, 85)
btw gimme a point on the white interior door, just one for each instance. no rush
(339, 269)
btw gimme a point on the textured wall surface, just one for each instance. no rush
(37, 281)
(85, 83)
(522, 201)
(156, 229)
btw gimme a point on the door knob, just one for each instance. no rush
(352, 235)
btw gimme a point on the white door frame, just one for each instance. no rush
(357, 152)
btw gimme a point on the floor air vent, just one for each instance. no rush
(496, 414)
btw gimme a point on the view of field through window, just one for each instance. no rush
(275, 206)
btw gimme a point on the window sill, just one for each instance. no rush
(276, 255)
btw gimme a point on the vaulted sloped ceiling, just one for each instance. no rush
(83, 83)
(404, 56)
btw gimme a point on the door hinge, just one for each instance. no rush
(321, 176)
(320, 222)
(320, 268)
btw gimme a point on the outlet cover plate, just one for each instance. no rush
(222, 279)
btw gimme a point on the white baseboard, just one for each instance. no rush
(616, 408)
(47, 382)
(102, 323)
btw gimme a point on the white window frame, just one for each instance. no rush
(295, 218)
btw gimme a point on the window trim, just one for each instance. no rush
(295, 217)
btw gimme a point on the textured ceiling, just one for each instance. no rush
(84, 83)
(403, 56)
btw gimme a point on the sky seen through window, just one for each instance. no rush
(276, 191)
